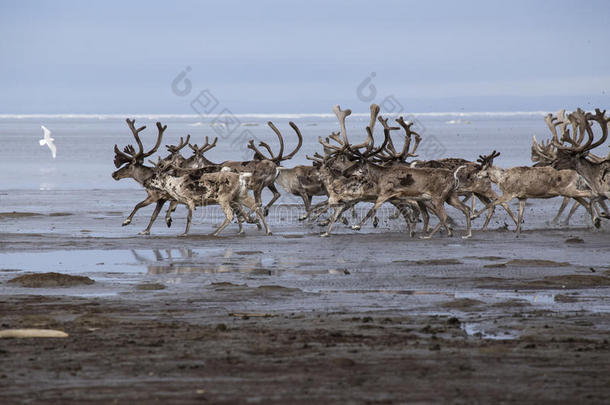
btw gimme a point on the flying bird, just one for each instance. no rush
(48, 140)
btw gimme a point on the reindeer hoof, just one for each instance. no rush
(466, 236)
(169, 223)
(356, 227)
(144, 233)
(266, 212)
(269, 233)
(126, 222)
(425, 237)
(604, 215)
(183, 235)
(597, 222)
(412, 234)
(344, 221)
(303, 218)
(325, 235)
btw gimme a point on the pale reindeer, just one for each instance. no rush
(224, 188)
(264, 169)
(574, 154)
(532, 182)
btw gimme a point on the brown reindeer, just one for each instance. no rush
(364, 180)
(130, 164)
(532, 182)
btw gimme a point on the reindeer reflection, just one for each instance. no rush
(167, 262)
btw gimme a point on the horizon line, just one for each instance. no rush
(265, 115)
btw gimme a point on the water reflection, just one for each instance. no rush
(185, 260)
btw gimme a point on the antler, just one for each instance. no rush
(176, 148)
(488, 160)
(580, 121)
(206, 146)
(341, 116)
(408, 133)
(390, 152)
(136, 132)
(299, 144)
(542, 152)
(129, 153)
(160, 130)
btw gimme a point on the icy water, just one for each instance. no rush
(85, 143)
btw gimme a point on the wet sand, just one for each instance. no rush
(368, 317)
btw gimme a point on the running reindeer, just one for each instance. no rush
(532, 182)
(572, 153)
(364, 180)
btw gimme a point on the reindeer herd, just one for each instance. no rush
(375, 172)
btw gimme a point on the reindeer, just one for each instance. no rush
(135, 168)
(544, 154)
(225, 188)
(132, 163)
(595, 170)
(306, 181)
(468, 185)
(367, 181)
(264, 169)
(532, 182)
(303, 181)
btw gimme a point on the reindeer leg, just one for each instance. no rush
(253, 206)
(226, 208)
(425, 216)
(594, 218)
(521, 210)
(439, 211)
(276, 195)
(307, 202)
(160, 204)
(338, 211)
(149, 200)
(168, 215)
(564, 204)
(605, 214)
(403, 209)
(319, 209)
(454, 200)
(572, 210)
(189, 216)
(372, 211)
(241, 216)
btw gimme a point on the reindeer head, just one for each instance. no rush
(128, 160)
(198, 159)
(486, 163)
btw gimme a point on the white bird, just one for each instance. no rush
(48, 140)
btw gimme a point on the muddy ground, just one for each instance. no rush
(369, 317)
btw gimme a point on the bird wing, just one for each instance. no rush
(53, 148)
(47, 133)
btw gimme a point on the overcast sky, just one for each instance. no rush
(280, 56)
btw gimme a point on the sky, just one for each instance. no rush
(302, 56)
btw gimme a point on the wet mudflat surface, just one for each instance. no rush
(368, 317)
